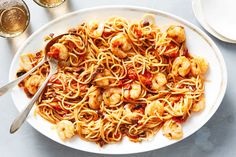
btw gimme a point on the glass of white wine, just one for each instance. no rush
(14, 17)
(49, 3)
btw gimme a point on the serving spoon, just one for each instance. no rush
(53, 63)
(19, 120)
(5, 88)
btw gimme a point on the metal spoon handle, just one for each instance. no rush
(13, 83)
(23, 115)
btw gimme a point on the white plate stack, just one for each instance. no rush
(218, 17)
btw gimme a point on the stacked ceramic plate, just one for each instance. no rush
(217, 17)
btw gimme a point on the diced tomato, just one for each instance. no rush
(186, 53)
(177, 98)
(140, 124)
(107, 34)
(127, 86)
(133, 136)
(146, 78)
(82, 56)
(179, 95)
(21, 84)
(27, 93)
(57, 81)
(71, 44)
(50, 54)
(147, 74)
(141, 110)
(57, 107)
(121, 82)
(138, 32)
(116, 44)
(132, 75)
(174, 53)
(54, 52)
(44, 71)
(56, 100)
(101, 143)
(180, 119)
(117, 135)
(148, 83)
(181, 86)
(83, 88)
(38, 55)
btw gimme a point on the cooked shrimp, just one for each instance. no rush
(172, 130)
(198, 66)
(158, 81)
(181, 66)
(101, 79)
(199, 105)
(25, 62)
(177, 33)
(33, 83)
(154, 108)
(112, 96)
(65, 129)
(148, 19)
(134, 92)
(58, 51)
(95, 98)
(120, 45)
(95, 29)
(128, 114)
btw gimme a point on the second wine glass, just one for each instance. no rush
(14, 17)
(49, 3)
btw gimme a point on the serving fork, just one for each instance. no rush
(19, 120)
(7, 87)
(53, 63)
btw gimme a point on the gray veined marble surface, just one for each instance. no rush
(215, 139)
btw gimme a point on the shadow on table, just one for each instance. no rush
(15, 43)
(62, 9)
(227, 46)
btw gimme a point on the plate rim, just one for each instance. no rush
(148, 10)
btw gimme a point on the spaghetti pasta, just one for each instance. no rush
(117, 78)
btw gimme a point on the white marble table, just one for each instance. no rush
(216, 139)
